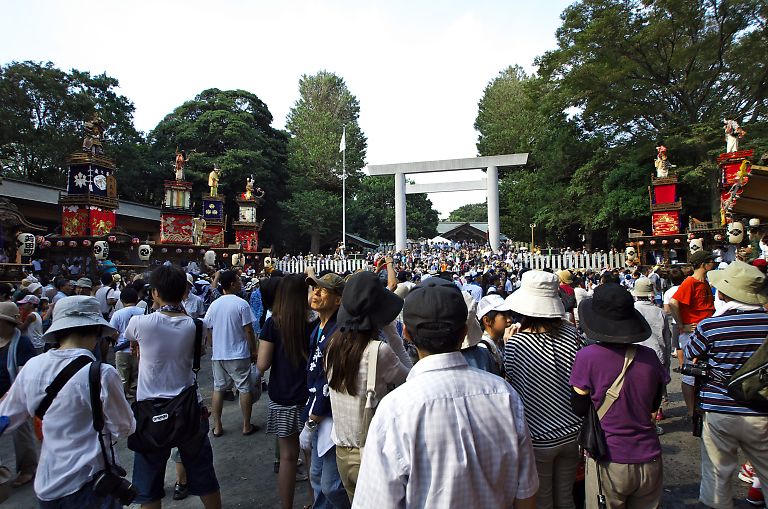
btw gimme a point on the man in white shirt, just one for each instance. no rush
(105, 295)
(126, 362)
(451, 436)
(165, 341)
(228, 322)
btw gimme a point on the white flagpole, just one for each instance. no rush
(344, 191)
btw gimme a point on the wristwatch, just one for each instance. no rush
(312, 425)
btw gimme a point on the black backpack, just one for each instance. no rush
(749, 384)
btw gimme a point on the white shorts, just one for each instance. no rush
(235, 371)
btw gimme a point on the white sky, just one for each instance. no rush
(417, 68)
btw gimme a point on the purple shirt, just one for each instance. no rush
(629, 432)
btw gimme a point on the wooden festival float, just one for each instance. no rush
(89, 229)
(743, 188)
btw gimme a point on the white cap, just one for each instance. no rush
(493, 302)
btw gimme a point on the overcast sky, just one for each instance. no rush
(417, 68)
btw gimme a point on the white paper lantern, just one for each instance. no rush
(735, 232)
(145, 251)
(696, 245)
(27, 241)
(209, 258)
(101, 250)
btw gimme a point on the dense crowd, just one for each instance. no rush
(446, 376)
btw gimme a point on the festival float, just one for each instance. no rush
(200, 238)
(743, 189)
(665, 206)
(89, 229)
(19, 239)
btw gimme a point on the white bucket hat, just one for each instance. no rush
(537, 296)
(76, 311)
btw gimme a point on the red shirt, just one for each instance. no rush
(696, 300)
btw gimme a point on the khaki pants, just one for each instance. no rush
(625, 486)
(348, 463)
(721, 438)
(557, 473)
(127, 366)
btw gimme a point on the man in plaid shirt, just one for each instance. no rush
(451, 435)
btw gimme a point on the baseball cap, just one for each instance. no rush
(29, 298)
(330, 281)
(700, 257)
(493, 302)
(434, 308)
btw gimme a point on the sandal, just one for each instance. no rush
(22, 479)
(217, 435)
(180, 491)
(251, 431)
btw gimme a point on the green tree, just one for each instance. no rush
(670, 70)
(372, 212)
(637, 67)
(42, 110)
(232, 129)
(324, 108)
(470, 213)
(520, 113)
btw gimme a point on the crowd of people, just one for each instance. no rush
(440, 378)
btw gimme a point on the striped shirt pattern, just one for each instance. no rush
(538, 366)
(728, 341)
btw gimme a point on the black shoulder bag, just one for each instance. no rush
(164, 423)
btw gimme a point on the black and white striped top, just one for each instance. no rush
(538, 366)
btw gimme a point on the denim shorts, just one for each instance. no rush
(149, 470)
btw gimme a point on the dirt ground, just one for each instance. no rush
(244, 465)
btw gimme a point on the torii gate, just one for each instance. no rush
(491, 183)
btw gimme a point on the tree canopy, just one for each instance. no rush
(372, 212)
(42, 110)
(470, 213)
(316, 122)
(627, 75)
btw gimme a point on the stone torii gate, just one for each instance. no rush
(491, 183)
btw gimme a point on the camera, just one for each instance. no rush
(113, 484)
(700, 369)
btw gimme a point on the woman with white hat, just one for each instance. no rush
(538, 362)
(71, 455)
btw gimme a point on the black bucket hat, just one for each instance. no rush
(366, 304)
(610, 316)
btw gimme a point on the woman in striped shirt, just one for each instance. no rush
(538, 362)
